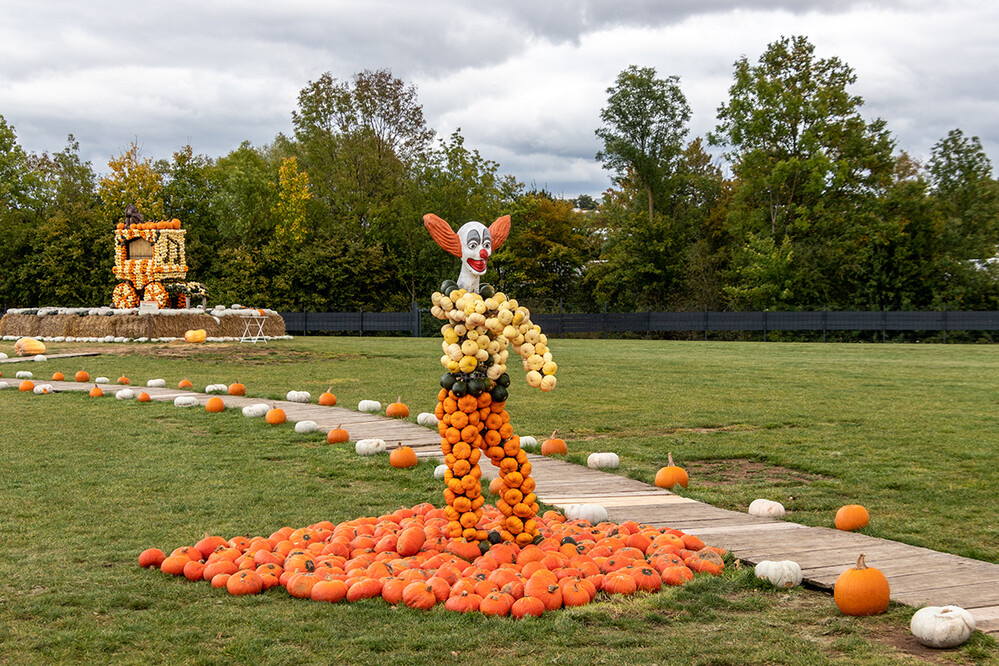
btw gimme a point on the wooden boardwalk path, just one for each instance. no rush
(918, 576)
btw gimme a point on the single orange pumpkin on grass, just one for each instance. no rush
(214, 405)
(554, 445)
(275, 416)
(337, 435)
(852, 517)
(397, 410)
(82, 376)
(96, 392)
(185, 384)
(862, 590)
(58, 376)
(144, 397)
(671, 475)
(123, 380)
(26, 385)
(237, 389)
(327, 399)
(402, 456)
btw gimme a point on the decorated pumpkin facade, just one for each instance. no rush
(151, 265)
(481, 326)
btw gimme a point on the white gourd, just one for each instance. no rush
(527, 440)
(256, 410)
(603, 461)
(24, 374)
(765, 508)
(440, 471)
(43, 389)
(216, 388)
(299, 396)
(369, 406)
(185, 401)
(369, 447)
(593, 513)
(102, 380)
(426, 419)
(783, 573)
(942, 626)
(304, 427)
(156, 383)
(40, 357)
(2, 356)
(4, 385)
(124, 394)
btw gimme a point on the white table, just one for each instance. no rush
(253, 328)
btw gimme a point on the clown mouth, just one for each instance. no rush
(477, 265)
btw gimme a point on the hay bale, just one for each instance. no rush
(133, 326)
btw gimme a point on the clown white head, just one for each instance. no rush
(474, 243)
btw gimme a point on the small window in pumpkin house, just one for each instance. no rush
(139, 248)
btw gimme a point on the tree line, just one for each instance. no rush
(794, 201)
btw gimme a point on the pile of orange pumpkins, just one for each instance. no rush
(405, 557)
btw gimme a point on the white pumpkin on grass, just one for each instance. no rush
(185, 401)
(606, 460)
(765, 508)
(156, 383)
(4, 385)
(102, 380)
(783, 573)
(2, 356)
(942, 626)
(256, 410)
(299, 396)
(43, 389)
(305, 427)
(23, 374)
(40, 357)
(216, 388)
(369, 447)
(592, 513)
(527, 440)
(440, 471)
(370, 406)
(124, 394)
(427, 419)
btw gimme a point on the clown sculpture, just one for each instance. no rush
(480, 325)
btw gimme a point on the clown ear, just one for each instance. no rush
(499, 230)
(443, 234)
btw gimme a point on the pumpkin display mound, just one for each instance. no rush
(406, 558)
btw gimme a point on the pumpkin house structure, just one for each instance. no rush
(149, 260)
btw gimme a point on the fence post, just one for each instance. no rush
(361, 324)
(764, 324)
(560, 322)
(705, 323)
(884, 325)
(305, 323)
(945, 324)
(648, 323)
(416, 321)
(603, 321)
(823, 326)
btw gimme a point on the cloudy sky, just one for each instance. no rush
(525, 81)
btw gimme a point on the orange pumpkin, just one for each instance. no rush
(275, 416)
(58, 376)
(862, 590)
(143, 397)
(402, 456)
(237, 389)
(151, 557)
(327, 399)
(96, 392)
(124, 380)
(337, 435)
(244, 582)
(185, 384)
(82, 376)
(525, 606)
(671, 475)
(852, 517)
(554, 445)
(397, 410)
(214, 405)
(26, 386)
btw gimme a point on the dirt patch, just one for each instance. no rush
(901, 639)
(740, 471)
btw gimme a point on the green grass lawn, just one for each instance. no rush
(85, 484)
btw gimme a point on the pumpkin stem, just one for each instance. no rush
(860, 563)
(669, 459)
(554, 433)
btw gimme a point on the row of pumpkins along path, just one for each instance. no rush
(823, 554)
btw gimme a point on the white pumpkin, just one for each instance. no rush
(102, 380)
(426, 419)
(942, 626)
(4, 385)
(765, 508)
(2, 356)
(783, 573)
(185, 401)
(527, 440)
(369, 447)
(369, 406)
(124, 394)
(156, 383)
(440, 471)
(304, 427)
(24, 374)
(593, 513)
(216, 388)
(43, 389)
(256, 410)
(299, 396)
(601, 460)
(40, 357)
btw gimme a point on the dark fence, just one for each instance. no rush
(559, 324)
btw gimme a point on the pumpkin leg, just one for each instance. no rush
(124, 297)
(155, 291)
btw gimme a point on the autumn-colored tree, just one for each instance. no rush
(131, 181)
(293, 196)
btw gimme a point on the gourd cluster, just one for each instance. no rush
(480, 330)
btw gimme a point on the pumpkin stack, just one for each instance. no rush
(470, 409)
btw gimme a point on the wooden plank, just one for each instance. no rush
(22, 359)
(608, 501)
(725, 533)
